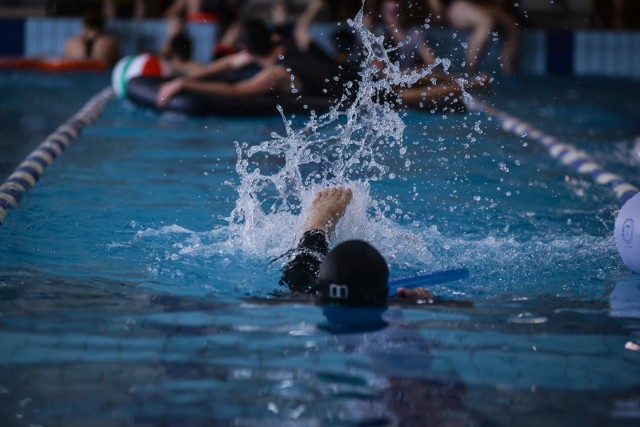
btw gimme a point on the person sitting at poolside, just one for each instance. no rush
(93, 43)
(178, 47)
(480, 20)
(353, 273)
(283, 64)
(409, 49)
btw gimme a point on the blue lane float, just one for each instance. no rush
(567, 154)
(427, 279)
(25, 176)
(627, 226)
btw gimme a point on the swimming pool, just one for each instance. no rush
(127, 297)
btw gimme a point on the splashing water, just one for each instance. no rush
(350, 145)
(360, 143)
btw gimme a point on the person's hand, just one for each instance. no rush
(241, 59)
(436, 8)
(168, 90)
(414, 294)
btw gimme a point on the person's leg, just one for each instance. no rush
(511, 33)
(441, 95)
(617, 12)
(468, 16)
(301, 271)
(109, 9)
(476, 82)
(140, 9)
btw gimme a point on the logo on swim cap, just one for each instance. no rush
(353, 273)
(338, 291)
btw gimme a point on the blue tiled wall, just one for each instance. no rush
(605, 53)
(46, 36)
(584, 53)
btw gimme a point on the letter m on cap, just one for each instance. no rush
(338, 291)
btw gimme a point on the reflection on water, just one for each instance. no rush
(104, 350)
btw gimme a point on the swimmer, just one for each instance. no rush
(93, 43)
(280, 60)
(353, 273)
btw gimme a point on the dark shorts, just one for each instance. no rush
(300, 273)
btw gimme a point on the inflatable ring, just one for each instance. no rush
(132, 66)
(143, 90)
(54, 64)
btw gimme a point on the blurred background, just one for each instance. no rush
(545, 14)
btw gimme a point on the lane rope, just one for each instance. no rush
(25, 176)
(565, 153)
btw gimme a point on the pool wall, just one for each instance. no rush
(579, 53)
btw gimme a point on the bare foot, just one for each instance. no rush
(326, 209)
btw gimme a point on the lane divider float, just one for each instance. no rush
(25, 176)
(564, 152)
(627, 225)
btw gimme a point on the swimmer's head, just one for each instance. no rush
(354, 274)
(180, 47)
(259, 38)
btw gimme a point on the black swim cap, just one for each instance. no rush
(353, 273)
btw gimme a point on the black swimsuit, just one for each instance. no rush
(88, 47)
(317, 71)
(300, 273)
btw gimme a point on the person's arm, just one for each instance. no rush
(175, 25)
(436, 7)
(301, 30)
(226, 63)
(414, 294)
(426, 54)
(176, 8)
(260, 84)
(184, 68)
(266, 81)
(107, 49)
(73, 49)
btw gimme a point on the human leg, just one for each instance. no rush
(511, 33)
(481, 21)
(445, 96)
(474, 18)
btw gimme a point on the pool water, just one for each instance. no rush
(130, 294)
